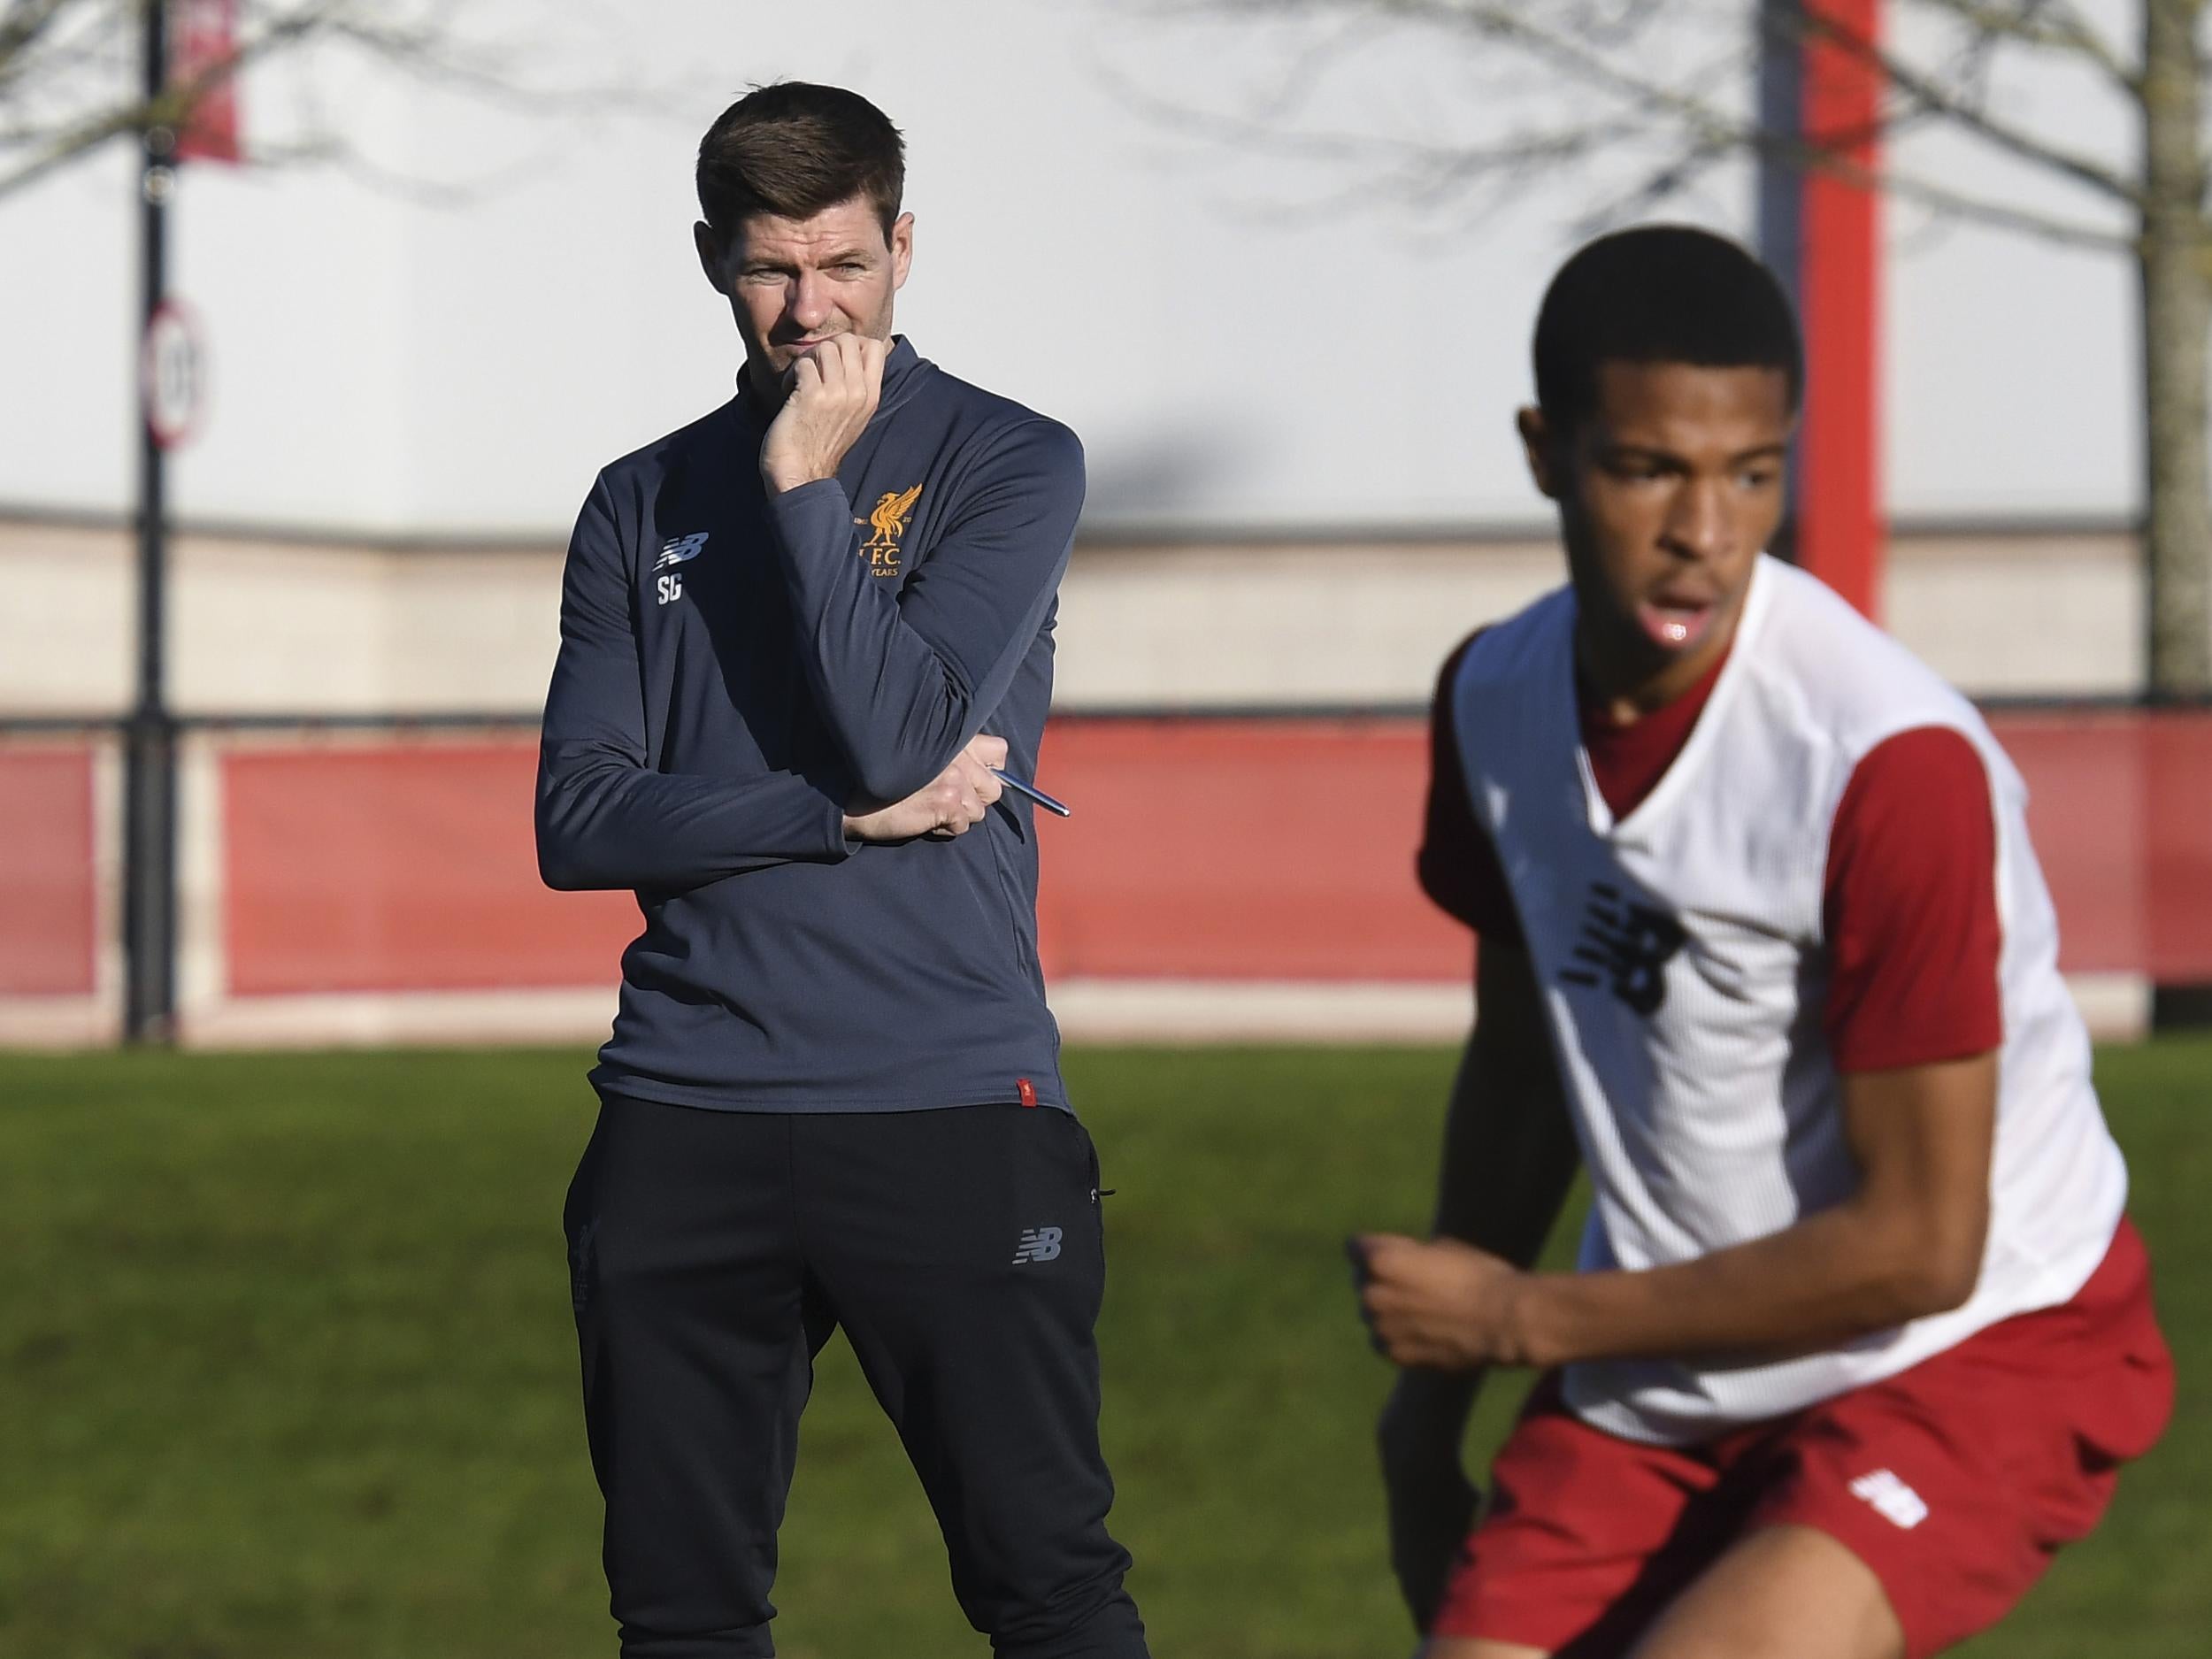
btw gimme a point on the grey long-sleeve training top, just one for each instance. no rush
(733, 669)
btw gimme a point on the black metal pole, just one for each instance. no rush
(1781, 183)
(150, 853)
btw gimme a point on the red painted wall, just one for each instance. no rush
(404, 865)
(1239, 850)
(2121, 811)
(1230, 849)
(1205, 849)
(1209, 849)
(49, 901)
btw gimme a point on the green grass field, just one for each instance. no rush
(287, 1370)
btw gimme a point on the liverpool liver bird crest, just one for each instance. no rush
(890, 515)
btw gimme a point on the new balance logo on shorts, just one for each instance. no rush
(1038, 1244)
(1893, 1500)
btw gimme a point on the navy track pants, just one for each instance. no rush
(712, 1253)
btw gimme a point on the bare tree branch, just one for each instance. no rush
(1336, 146)
(23, 22)
(29, 41)
(1929, 95)
(1514, 24)
(69, 85)
(57, 145)
(2050, 26)
(1593, 47)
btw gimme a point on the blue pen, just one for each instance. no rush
(1034, 793)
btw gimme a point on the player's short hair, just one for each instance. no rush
(1659, 294)
(792, 149)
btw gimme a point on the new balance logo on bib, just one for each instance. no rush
(1629, 945)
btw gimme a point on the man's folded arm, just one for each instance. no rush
(904, 680)
(605, 816)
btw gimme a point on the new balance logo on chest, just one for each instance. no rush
(674, 551)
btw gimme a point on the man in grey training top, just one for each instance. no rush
(799, 638)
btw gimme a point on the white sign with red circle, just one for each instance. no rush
(173, 374)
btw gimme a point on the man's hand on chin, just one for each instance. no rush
(833, 391)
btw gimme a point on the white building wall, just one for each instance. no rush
(1239, 342)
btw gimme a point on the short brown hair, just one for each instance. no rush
(793, 148)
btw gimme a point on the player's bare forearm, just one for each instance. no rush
(1510, 1152)
(1906, 1244)
(1509, 1148)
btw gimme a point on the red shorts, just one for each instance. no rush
(1955, 1481)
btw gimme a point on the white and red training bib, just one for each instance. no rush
(1682, 961)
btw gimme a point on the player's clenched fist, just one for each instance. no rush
(952, 803)
(832, 396)
(1441, 1305)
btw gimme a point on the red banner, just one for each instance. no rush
(203, 48)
